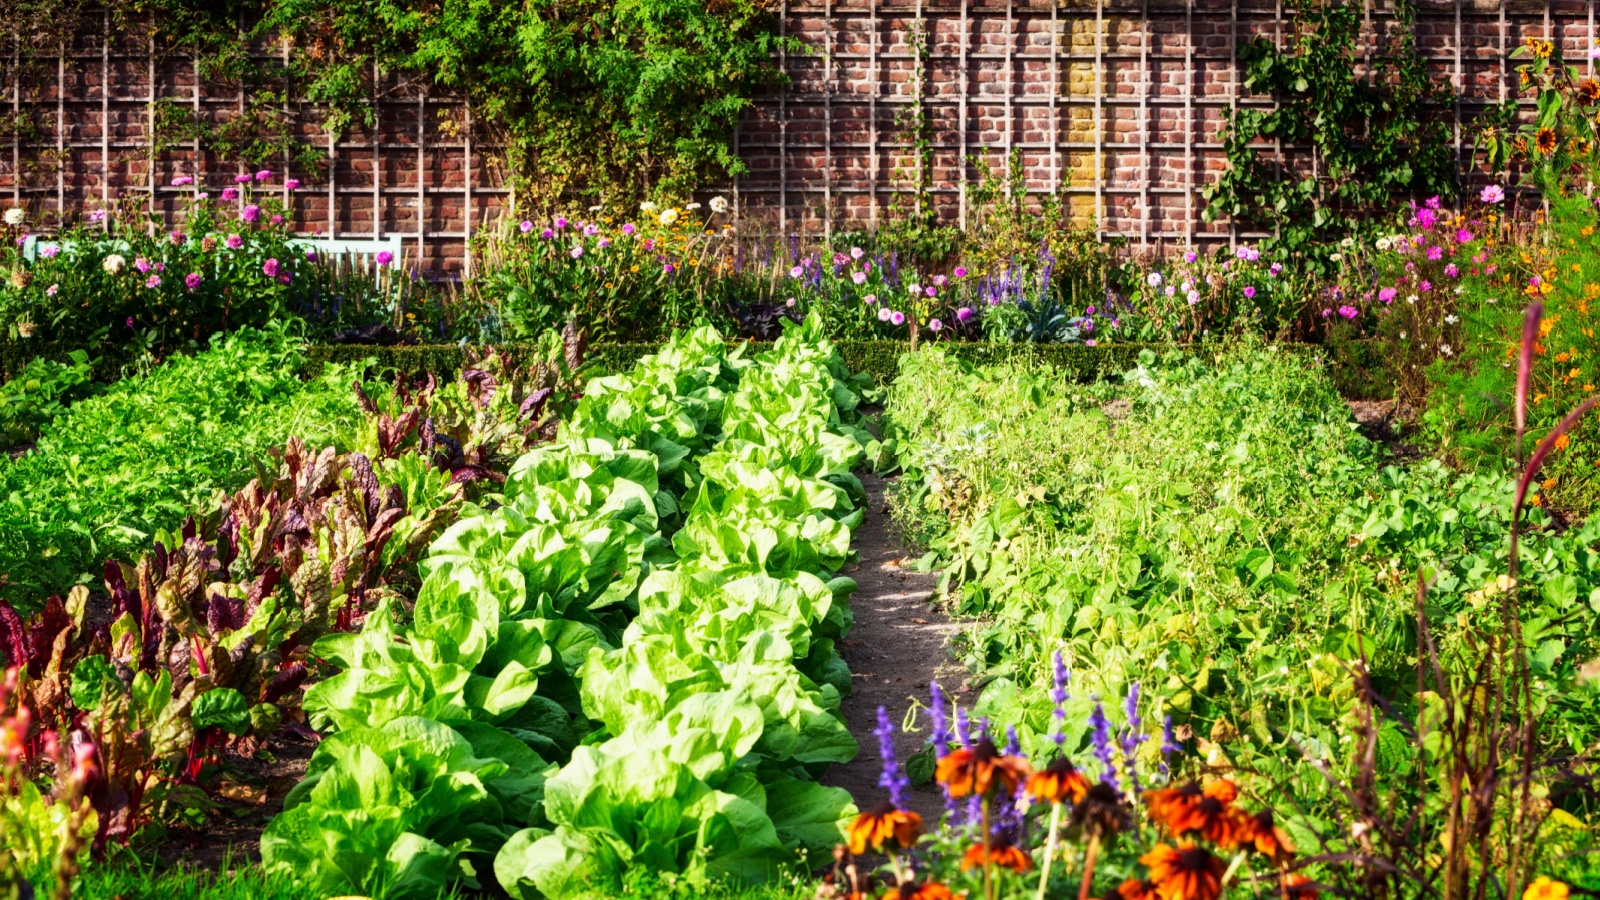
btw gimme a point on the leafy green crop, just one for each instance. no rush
(145, 453)
(659, 704)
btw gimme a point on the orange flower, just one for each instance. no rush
(1000, 852)
(1132, 889)
(872, 829)
(927, 890)
(1185, 872)
(1268, 838)
(1545, 139)
(1546, 889)
(1209, 811)
(980, 768)
(1299, 887)
(1059, 782)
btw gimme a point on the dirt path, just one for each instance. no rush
(898, 645)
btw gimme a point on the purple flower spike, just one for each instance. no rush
(941, 724)
(1103, 750)
(963, 727)
(1132, 738)
(1168, 745)
(892, 778)
(1058, 696)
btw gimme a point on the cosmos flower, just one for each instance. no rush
(1494, 193)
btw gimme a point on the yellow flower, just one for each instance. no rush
(1545, 889)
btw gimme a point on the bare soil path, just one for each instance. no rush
(899, 643)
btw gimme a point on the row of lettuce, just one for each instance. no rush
(625, 660)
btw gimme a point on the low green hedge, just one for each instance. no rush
(1356, 367)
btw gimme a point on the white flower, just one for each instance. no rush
(596, 208)
(1491, 301)
(1451, 320)
(668, 216)
(719, 205)
(1347, 243)
(1154, 280)
(1445, 349)
(114, 263)
(15, 215)
(1411, 298)
(1336, 256)
(691, 206)
(914, 288)
(1384, 243)
(1402, 335)
(648, 206)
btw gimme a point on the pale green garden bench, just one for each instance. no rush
(362, 254)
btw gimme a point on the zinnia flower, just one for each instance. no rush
(192, 280)
(384, 258)
(234, 242)
(526, 227)
(871, 830)
(270, 268)
(250, 213)
(935, 325)
(1544, 888)
(292, 184)
(230, 193)
(719, 205)
(896, 318)
(264, 175)
(667, 217)
(858, 277)
(999, 852)
(114, 263)
(1058, 782)
(1185, 872)
(154, 281)
(884, 313)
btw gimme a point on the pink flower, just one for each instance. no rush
(603, 243)
(1190, 256)
(241, 179)
(789, 303)
(234, 242)
(1193, 297)
(251, 213)
(384, 258)
(192, 280)
(48, 251)
(884, 313)
(1425, 286)
(1349, 312)
(897, 318)
(270, 268)
(858, 277)
(292, 184)
(561, 222)
(870, 299)
(1388, 294)
(667, 269)
(796, 272)
(1432, 202)
(51, 290)
(264, 175)
(856, 252)
(547, 234)
(576, 252)
(963, 314)
(154, 281)
(960, 272)
(1249, 292)
(526, 227)
(182, 180)
(935, 325)
(142, 264)
(275, 220)
(1089, 342)
(1463, 236)
(940, 280)
(1451, 270)
(1494, 193)
(931, 291)
(1275, 269)
(1435, 252)
(230, 193)
(591, 230)
(628, 229)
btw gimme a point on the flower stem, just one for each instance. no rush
(1049, 849)
(1088, 866)
(988, 866)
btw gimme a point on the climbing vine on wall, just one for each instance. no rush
(587, 100)
(1376, 135)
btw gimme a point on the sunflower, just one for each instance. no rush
(872, 829)
(1547, 142)
(1299, 887)
(1058, 782)
(1589, 90)
(999, 852)
(1184, 872)
(1541, 49)
(1268, 838)
(1545, 889)
(910, 890)
(980, 768)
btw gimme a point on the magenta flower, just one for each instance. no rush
(961, 272)
(1249, 292)
(897, 317)
(182, 180)
(1275, 269)
(234, 242)
(292, 184)
(547, 234)
(384, 258)
(931, 291)
(628, 229)
(591, 230)
(576, 252)
(142, 264)
(1435, 252)
(264, 175)
(1432, 202)
(526, 226)
(230, 193)
(940, 280)
(603, 243)
(1492, 194)
(251, 213)
(270, 268)
(1451, 270)
(1388, 294)
(667, 269)
(241, 179)
(1190, 256)
(154, 281)
(275, 220)
(935, 325)
(858, 277)
(192, 280)
(311, 256)
(796, 272)
(1463, 236)
(561, 222)
(963, 314)
(1349, 312)
(1425, 286)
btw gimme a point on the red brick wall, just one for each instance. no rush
(1114, 104)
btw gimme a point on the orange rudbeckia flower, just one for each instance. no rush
(1184, 872)
(1132, 889)
(927, 890)
(1058, 782)
(1208, 811)
(1268, 838)
(999, 852)
(1299, 887)
(979, 769)
(871, 830)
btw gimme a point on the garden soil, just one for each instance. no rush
(899, 644)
